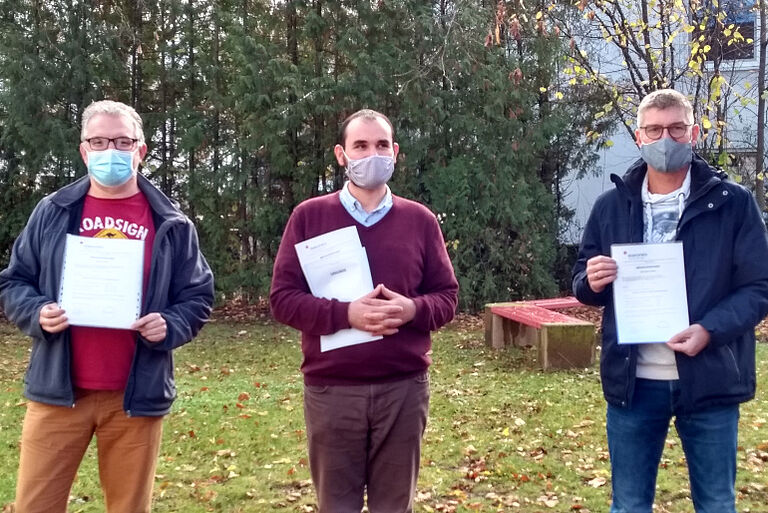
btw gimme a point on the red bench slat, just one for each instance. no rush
(556, 303)
(532, 315)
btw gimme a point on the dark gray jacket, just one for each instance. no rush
(180, 288)
(726, 273)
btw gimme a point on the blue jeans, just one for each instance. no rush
(636, 438)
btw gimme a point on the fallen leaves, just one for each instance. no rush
(597, 482)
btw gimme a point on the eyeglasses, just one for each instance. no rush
(675, 131)
(102, 143)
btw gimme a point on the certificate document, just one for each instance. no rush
(649, 294)
(335, 266)
(101, 281)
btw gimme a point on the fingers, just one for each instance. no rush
(381, 311)
(140, 322)
(374, 293)
(601, 266)
(690, 341)
(387, 327)
(51, 310)
(680, 341)
(55, 326)
(376, 316)
(601, 271)
(382, 332)
(382, 305)
(386, 323)
(600, 259)
(52, 318)
(151, 319)
(387, 293)
(686, 346)
(678, 338)
(153, 327)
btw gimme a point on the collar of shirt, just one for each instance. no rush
(357, 211)
(684, 190)
(660, 209)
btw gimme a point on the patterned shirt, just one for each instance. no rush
(661, 213)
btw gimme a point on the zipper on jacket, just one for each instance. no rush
(733, 360)
(130, 388)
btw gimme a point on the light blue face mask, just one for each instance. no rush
(667, 155)
(110, 168)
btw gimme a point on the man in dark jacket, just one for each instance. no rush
(702, 374)
(84, 380)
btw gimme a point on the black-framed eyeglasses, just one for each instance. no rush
(102, 143)
(675, 131)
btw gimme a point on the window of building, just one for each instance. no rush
(730, 29)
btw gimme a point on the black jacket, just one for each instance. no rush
(726, 270)
(180, 288)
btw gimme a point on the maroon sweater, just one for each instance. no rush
(406, 253)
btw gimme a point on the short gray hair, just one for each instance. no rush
(113, 108)
(665, 99)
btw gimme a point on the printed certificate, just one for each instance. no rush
(649, 293)
(101, 281)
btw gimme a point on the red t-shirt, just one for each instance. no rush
(102, 357)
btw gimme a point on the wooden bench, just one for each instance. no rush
(563, 342)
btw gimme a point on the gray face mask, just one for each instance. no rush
(667, 155)
(370, 172)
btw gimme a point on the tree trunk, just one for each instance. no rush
(191, 91)
(135, 57)
(761, 92)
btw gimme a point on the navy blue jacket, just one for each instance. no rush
(180, 288)
(726, 271)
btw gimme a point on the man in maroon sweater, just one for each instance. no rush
(366, 405)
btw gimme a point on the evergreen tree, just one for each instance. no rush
(242, 101)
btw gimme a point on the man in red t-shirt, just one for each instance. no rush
(116, 384)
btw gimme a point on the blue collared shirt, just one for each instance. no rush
(357, 211)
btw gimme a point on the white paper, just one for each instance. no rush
(101, 282)
(649, 293)
(336, 266)
(325, 246)
(346, 278)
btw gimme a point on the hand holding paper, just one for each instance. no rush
(691, 340)
(152, 327)
(601, 271)
(53, 319)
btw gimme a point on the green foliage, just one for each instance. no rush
(242, 103)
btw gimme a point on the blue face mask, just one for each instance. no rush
(110, 167)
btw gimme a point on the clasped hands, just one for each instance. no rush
(381, 311)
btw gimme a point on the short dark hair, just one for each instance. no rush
(368, 114)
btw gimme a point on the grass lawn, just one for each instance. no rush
(502, 435)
